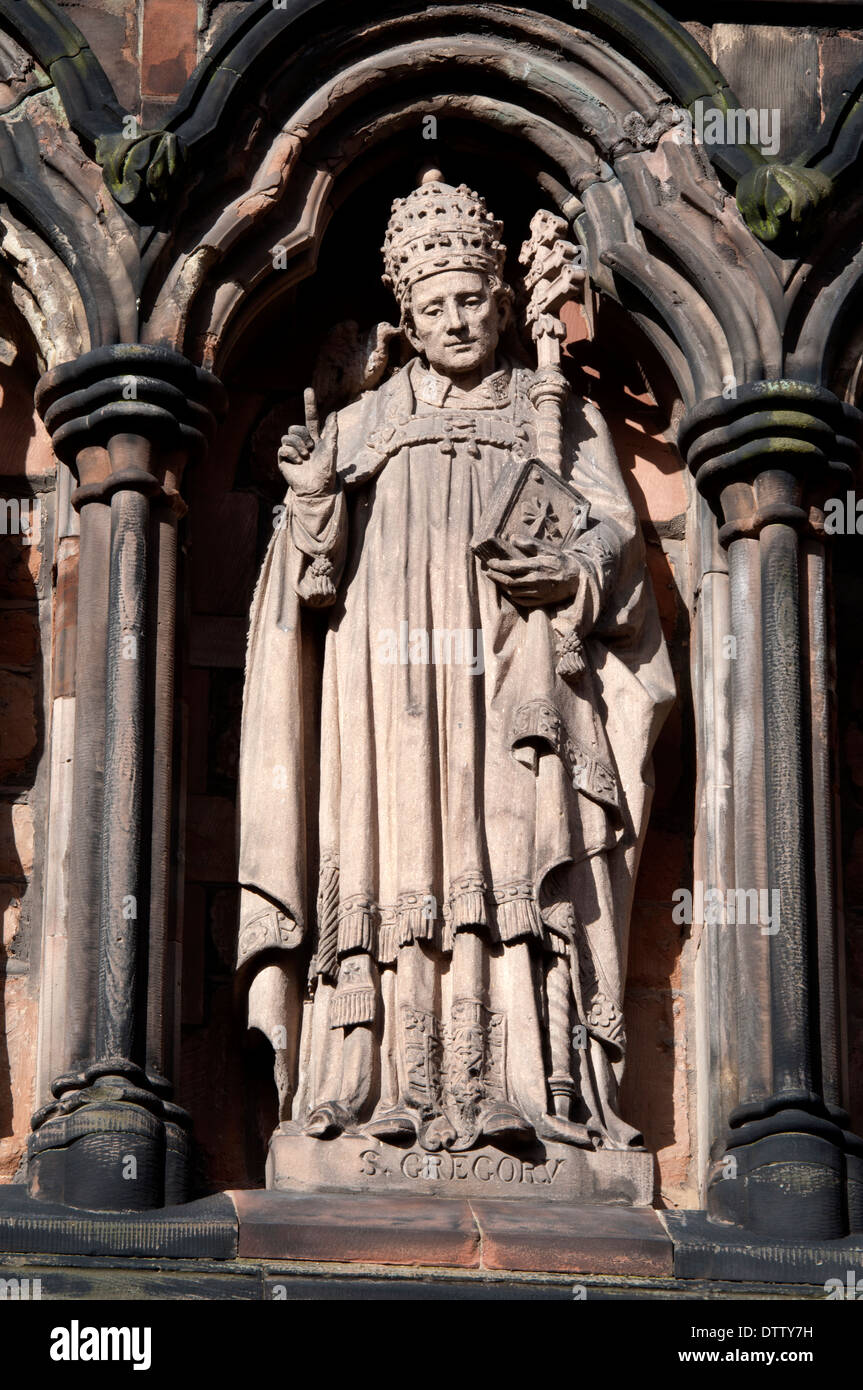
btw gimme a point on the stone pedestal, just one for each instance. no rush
(543, 1171)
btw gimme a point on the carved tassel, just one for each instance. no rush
(571, 664)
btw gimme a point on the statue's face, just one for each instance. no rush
(456, 322)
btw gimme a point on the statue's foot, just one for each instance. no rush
(395, 1124)
(568, 1132)
(619, 1135)
(438, 1134)
(328, 1120)
(500, 1120)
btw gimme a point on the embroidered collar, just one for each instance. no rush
(491, 394)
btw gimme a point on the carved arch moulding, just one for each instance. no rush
(155, 257)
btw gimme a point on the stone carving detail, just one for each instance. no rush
(476, 1066)
(480, 810)
(141, 172)
(423, 1055)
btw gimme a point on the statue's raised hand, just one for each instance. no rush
(306, 464)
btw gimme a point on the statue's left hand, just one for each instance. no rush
(544, 574)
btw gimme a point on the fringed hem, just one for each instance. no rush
(468, 909)
(508, 913)
(357, 921)
(352, 1006)
(416, 916)
(559, 921)
(388, 943)
(557, 945)
(518, 917)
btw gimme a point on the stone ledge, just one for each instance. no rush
(267, 1236)
(205, 1228)
(572, 1239)
(356, 1227)
(64, 1277)
(705, 1249)
(457, 1233)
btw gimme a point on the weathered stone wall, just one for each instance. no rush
(27, 473)
(148, 48)
(801, 71)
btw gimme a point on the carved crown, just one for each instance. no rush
(438, 227)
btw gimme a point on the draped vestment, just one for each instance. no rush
(413, 765)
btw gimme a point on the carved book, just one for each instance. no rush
(529, 503)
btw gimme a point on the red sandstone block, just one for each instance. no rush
(661, 571)
(16, 840)
(653, 470)
(196, 694)
(654, 1094)
(668, 764)
(572, 1240)
(223, 565)
(18, 722)
(655, 943)
(217, 640)
(853, 748)
(194, 927)
(10, 911)
(664, 866)
(19, 638)
(111, 29)
(19, 568)
(342, 1228)
(20, 1006)
(854, 870)
(26, 448)
(169, 46)
(211, 853)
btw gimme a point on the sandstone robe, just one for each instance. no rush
(430, 780)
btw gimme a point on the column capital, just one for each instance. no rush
(771, 452)
(129, 417)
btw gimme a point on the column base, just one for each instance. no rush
(789, 1167)
(109, 1144)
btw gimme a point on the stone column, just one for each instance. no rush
(126, 419)
(766, 459)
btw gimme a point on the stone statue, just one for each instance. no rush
(441, 811)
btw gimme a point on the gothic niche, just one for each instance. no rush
(455, 678)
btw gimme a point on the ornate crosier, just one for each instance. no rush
(533, 503)
(551, 278)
